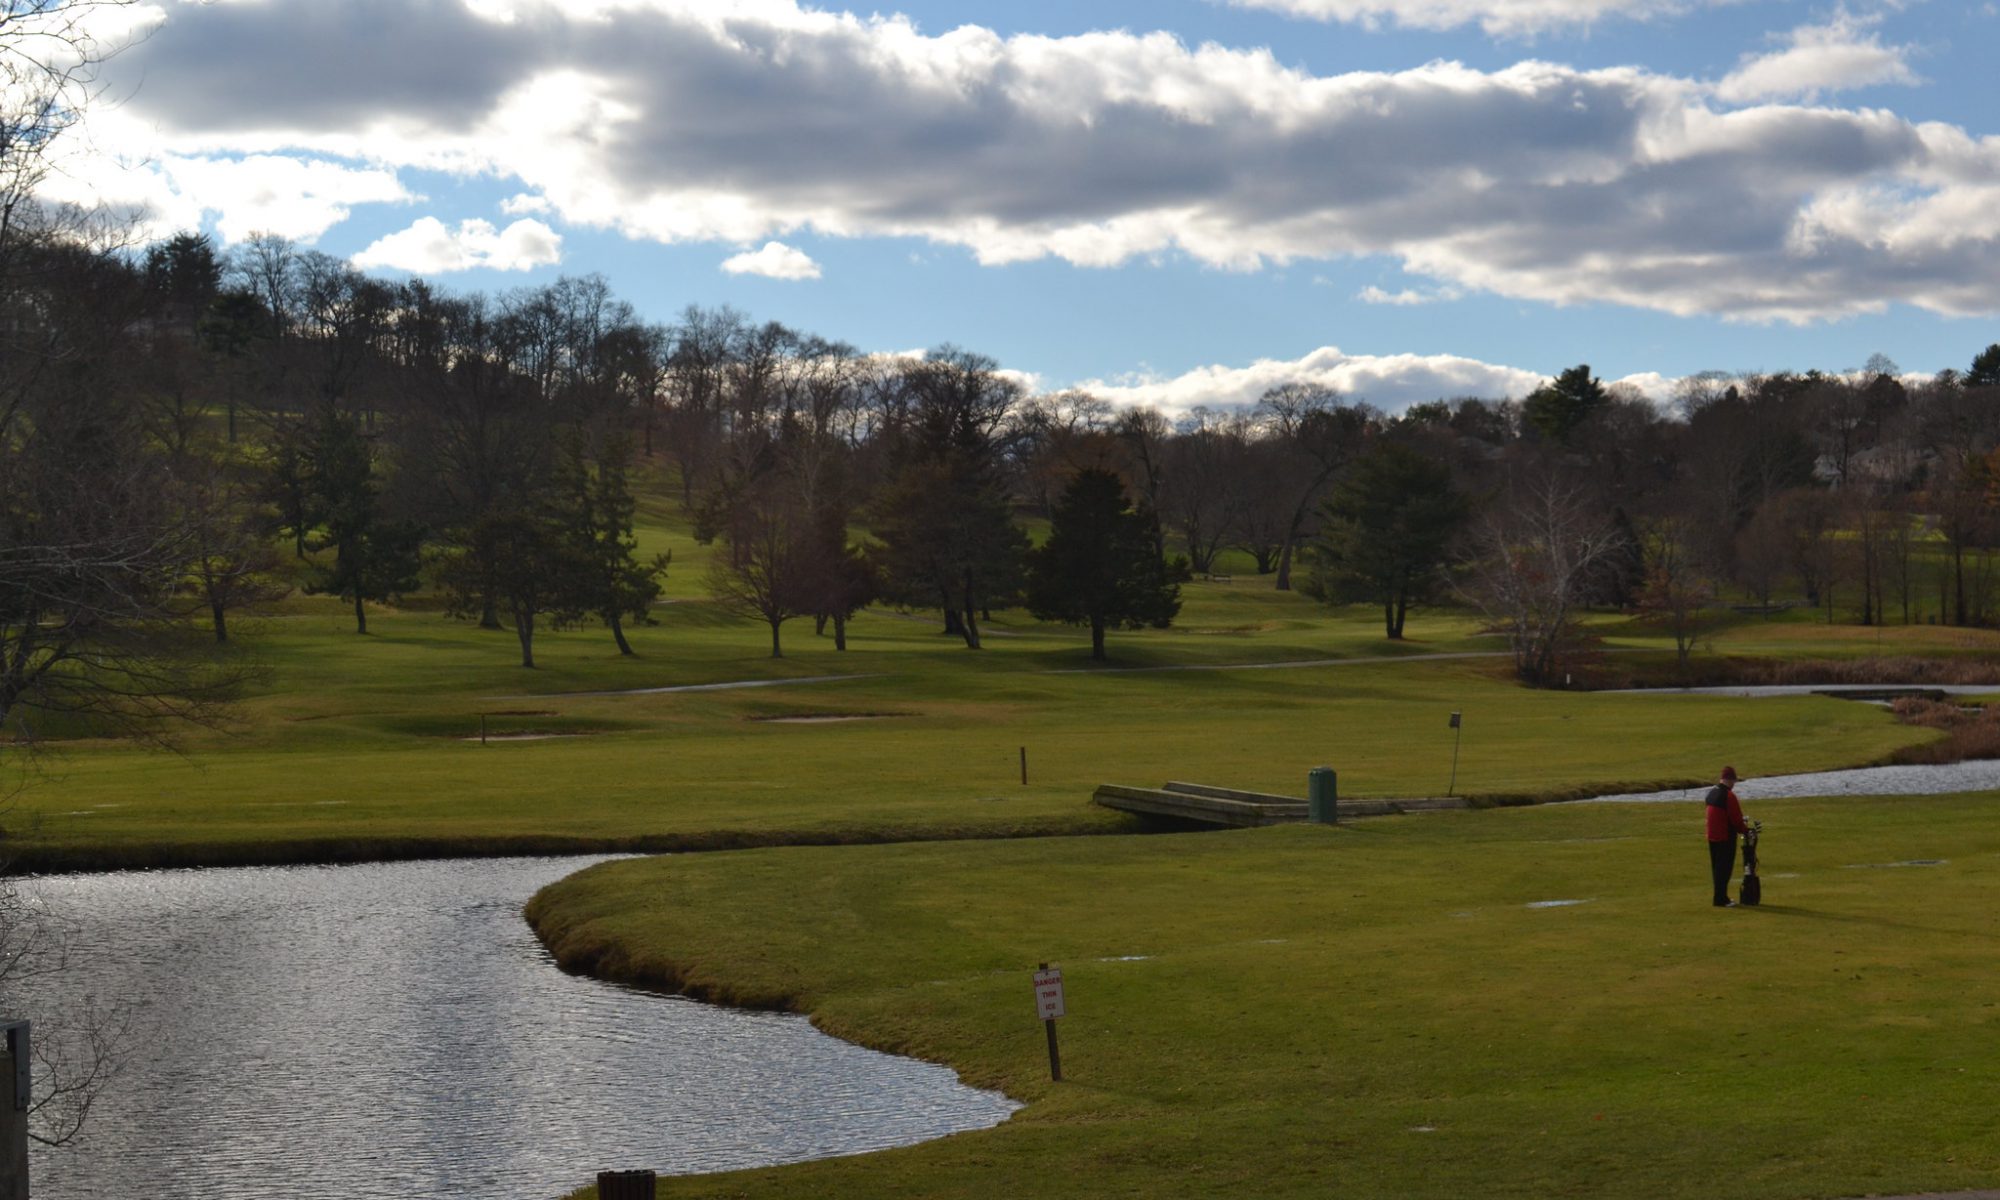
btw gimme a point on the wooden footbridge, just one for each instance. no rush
(1234, 808)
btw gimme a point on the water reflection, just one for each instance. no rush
(394, 1030)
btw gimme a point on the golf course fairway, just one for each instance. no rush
(1389, 1008)
(349, 747)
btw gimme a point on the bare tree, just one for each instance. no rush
(1315, 435)
(1900, 541)
(93, 612)
(768, 565)
(1202, 496)
(1055, 436)
(703, 346)
(1761, 551)
(1529, 570)
(91, 621)
(1678, 590)
(1266, 513)
(78, 1050)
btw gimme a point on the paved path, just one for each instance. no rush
(1256, 666)
(730, 686)
(1284, 666)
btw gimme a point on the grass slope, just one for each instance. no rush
(1374, 1010)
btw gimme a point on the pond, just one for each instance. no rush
(395, 1030)
(1917, 780)
(1753, 691)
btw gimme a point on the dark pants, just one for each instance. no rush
(1722, 864)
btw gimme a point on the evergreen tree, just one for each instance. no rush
(842, 579)
(1386, 530)
(1985, 370)
(375, 557)
(1101, 565)
(617, 585)
(942, 516)
(1559, 406)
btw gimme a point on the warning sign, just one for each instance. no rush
(1048, 994)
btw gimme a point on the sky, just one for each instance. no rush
(1173, 202)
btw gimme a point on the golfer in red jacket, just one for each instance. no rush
(1725, 821)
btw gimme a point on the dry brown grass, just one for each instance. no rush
(1762, 672)
(1969, 732)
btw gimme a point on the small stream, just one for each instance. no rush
(1914, 780)
(393, 1031)
(1920, 780)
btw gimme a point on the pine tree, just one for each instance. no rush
(1101, 565)
(374, 556)
(1386, 531)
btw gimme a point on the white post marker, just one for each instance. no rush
(1049, 1006)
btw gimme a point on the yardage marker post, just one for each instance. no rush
(1049, 1003)
(1024, 766)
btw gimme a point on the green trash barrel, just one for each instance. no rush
(625, 1185)
(1322, 796)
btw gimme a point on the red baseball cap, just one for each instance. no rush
(1729, 772)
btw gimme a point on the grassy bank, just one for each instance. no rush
(367, 747)
(1376, 1010)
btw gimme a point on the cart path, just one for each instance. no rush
(1288, 664)
(1279, 665)
(730, 686)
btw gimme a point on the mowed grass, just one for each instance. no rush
(1377, 1010)
(356, 747)
(364, 747)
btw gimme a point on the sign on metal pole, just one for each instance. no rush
(1049, 1005)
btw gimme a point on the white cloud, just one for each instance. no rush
(430, 247)
(526, 202)
(774, 260)
(1655, 387)
(1840, 55)
(1501, 17)
(298, 198)
(747, 121)
(1408, 297)
(1390, 382)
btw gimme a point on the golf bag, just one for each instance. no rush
(1753, 887)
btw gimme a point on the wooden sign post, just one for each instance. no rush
(1457, 732)
(1049, 1004)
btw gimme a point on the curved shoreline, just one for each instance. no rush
(64, 860)
(611, 961)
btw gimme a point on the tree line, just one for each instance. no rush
(274, 416)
